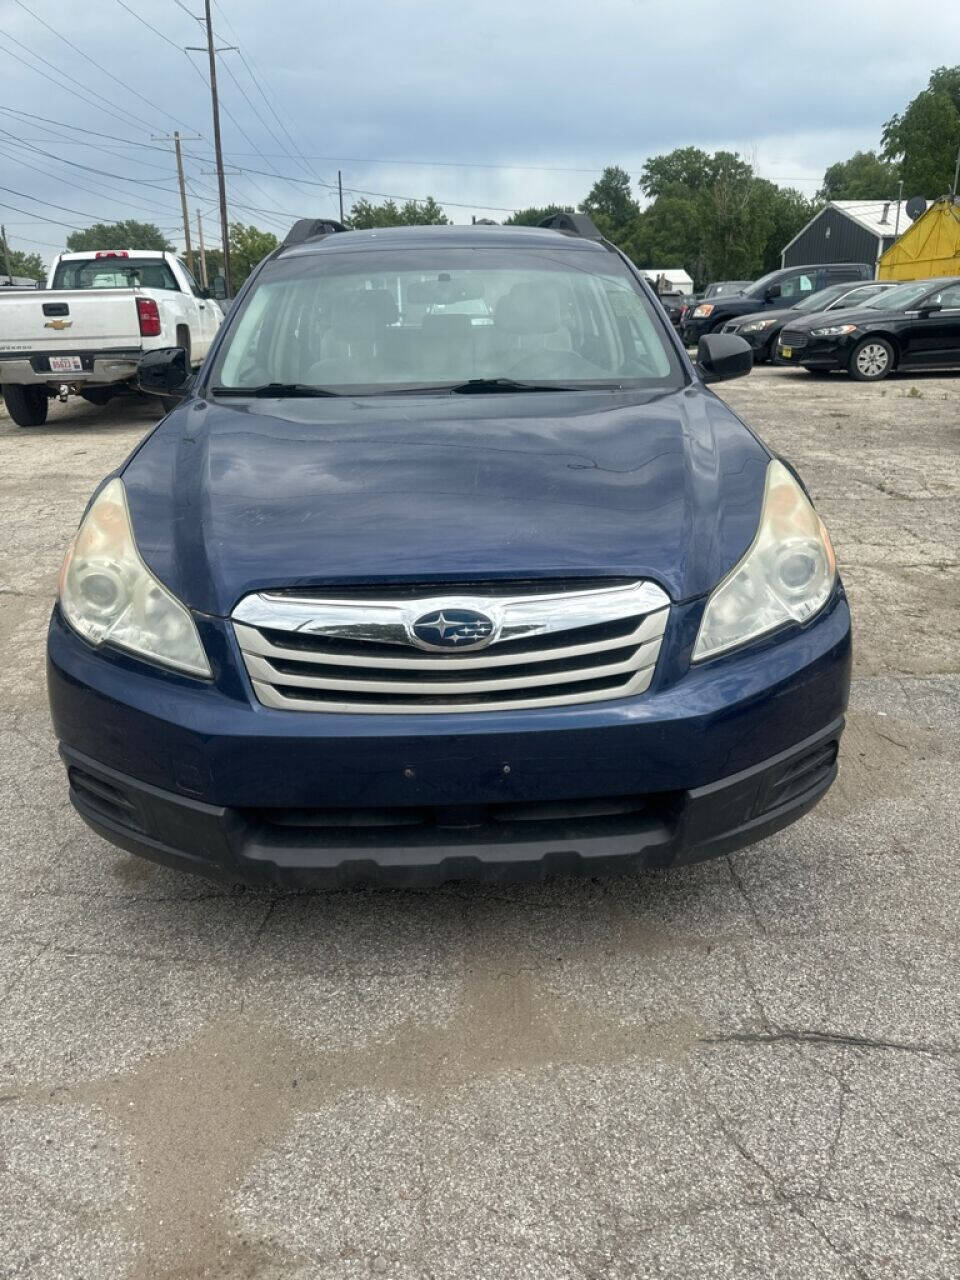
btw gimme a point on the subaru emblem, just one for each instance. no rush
(452, 629)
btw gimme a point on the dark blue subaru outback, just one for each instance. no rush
(447, 565)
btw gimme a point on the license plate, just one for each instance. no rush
(66, 364)
(786, 352)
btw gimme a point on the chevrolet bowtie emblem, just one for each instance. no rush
(58, 324)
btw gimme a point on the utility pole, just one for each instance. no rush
(896, 230)
(163, 137)
(6, 253)
(211, 50)
(340, 189)
(956, 176)
(203, 253)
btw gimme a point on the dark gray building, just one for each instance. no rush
(847, 231)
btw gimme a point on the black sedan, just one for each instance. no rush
(915, 326)
(762, 328)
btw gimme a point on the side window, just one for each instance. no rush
(950, 298)
(194, 287)
(852, 298)
(796, 286)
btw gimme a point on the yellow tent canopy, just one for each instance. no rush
(931, 247)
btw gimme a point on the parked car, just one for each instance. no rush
(675, 304)
(779, 289)
(762, 328)
(85, 333)
(406, 602)
(19, 282)
(912, 326)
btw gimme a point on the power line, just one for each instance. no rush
(122, 83)
(133, 13)
(48, 173)
(124, 119)
(38, 217)
(51, 204)
(246, 97)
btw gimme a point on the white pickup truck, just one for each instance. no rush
(86, 331)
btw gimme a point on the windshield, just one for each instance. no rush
(114, 273)
(725, 287)
(822, 298)
(901, 298)
(370, 321)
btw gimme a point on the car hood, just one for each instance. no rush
(781, 315)
(848, 315)
(231, 498)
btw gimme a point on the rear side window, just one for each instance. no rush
(115, 273)
(796, 286)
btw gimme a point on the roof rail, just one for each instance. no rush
(572, 224)
(311, 229)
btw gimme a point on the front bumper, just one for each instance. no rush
(201, 776)
(815, 353)
(97, 369)
(758, 340)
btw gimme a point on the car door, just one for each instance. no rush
(201, 313)
(935, 332)
(794, 288)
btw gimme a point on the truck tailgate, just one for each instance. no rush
(74, 320)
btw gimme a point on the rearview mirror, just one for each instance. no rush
(164, 372)
(721, 356)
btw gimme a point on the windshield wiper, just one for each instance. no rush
(279, 390)
(480, 386)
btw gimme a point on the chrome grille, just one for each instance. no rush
(791, 338)
(313, 653)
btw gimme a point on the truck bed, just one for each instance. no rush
(73, 320)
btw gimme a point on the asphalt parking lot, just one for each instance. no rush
(747, 1069)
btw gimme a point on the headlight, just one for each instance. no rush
(107, 593)
(787, 575)
(832, 330)
(756, 325)
(704, 309)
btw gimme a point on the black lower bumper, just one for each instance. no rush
(330, 848)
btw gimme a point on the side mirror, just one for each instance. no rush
(218, 287)
(929, 309)
(164, 372)
(772, 291)
(721, 356)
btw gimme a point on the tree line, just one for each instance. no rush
(707, 212)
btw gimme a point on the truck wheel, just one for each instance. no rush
(871, 360)
(27, 406)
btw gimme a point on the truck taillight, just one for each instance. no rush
(148, 314)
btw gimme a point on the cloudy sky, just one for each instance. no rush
(488, 105)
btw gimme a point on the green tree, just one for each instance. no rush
(924, 137)
(28, 265)
(686, 167)
(610, 201)
(713, 216)
(118, 235)
(248, 246)
(865, 176)
(413, 213)
(534, 215)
